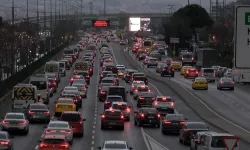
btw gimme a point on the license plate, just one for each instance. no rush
(175, 123)
(64, 106)
(36, 116)
(150, 117)
(112, 123)
(150, 120)
(164, 108)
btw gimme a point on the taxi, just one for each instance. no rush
(64, 104)
(200, 83)
(176, 65)
(184, 69)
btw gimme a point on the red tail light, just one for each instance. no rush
(163, 69)
(65, 131)
(22, 122)
(113, 84)
(167, 122)
(42, 145)
(57, 106)
(128, 75)
(103, 92)
(4, 143)
(141, 98)
(79, 97)
(171, 103)
(135, 90)
(5, 122)
(221, 82)
(187, 72)
(80, 122)
(202, 74)
(132, 86)
(31, 112)
(50, 131)
(158, 116)
(214, 74)
(142, 115)
(71, 79)
(103, 116)
(182, 58)
(128, 110)
(122, 117)
(153, 99)
(197, 72)
(192, 58)
(183, 122)
(75, 100)
(156, 103)
(106, 102)
(101, 75)
(64, 146)
(46, 112)
(232, 82)
(86, 76)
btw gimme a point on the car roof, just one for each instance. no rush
(71, 112)
(114, 96)
(56, 121)
(142, 94)
(13, 113)
(115, 142)
(120, 103)
(108, 78)
(111, 110)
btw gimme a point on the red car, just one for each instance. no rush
(75, 120)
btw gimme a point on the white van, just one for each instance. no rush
(215, 141)
(43, 87)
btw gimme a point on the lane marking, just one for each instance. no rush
(93, 142)
(36, 147)
(155, 141)
(144, 138)
(92, 148)
(213, 110)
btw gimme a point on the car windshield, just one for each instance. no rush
(41, 85)
(58, 125)
(119, 106)
(53, 141)
(71, 117)
(196, 126)
(38, 107)
(14, 116)
(208, 70)
(107, 81)
(174, 117)
(115, 146)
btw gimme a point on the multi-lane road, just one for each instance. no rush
(139, 138)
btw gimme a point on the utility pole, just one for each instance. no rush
(188, 2)
(171, 9)
(11, 54)
(59, 8)
(81, 6)
(27, 15)
(51, 16)
(62, 10)
(55, 12)
(104, 9)
(44, 15)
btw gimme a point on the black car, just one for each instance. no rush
(112, 118)
(111, 68)
(103, 75)
(145, 99)
(128, 75)
(167, 61)
(102, 94)
(37, 112)
(103, 59)
(142, 56)
(167, 71)
(86, 76)
(173, 123)
(149, 116)
(141, 78)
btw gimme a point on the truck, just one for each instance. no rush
(205, 57)
(80, 66)
(22, 96)
(53, 67)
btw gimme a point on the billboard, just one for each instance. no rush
(100, 23)
(138, 23)
(134, 24)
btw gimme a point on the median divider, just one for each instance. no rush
(196, 104)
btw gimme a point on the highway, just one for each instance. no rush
(169, 142)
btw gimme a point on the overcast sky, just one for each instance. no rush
(112, 6)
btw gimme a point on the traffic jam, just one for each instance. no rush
(64, 122)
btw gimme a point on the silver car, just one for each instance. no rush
(115, 145)
(208, 73)
(135, 84)
(164, 104)
(82, 89)
(228, 73)
(59, 128)
(225, 83)
(152, 62)
(15, 122)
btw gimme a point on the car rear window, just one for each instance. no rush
(139, 78)
(71, 117)
(173, 117)
(115, 90)
(114, 99)
(53, 141)
(38, 107)
(115, 146)
(208, 70)
(112, 113)
(121, 107)
(187, 56)
(107, 81)
(145, 89)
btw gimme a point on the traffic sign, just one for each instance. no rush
(230, 142)
(242, 37)
(174, 40)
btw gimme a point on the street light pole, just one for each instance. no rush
(55, 12)
(51, 16)
(188, 2)
(104, 9)
(27, 15)
(44, 15)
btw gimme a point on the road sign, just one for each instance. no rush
(242, 37)
(174, 40)
(230, 142)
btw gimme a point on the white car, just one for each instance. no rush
(135, 84)
(59, 128)
(228, 73)
(15, 121)
(119, 145)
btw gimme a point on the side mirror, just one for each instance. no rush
(136, 112)
(99, 147)
(83, 119)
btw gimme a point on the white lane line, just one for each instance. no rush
(93, 132)
(145, 140)
(36, 147)
(92, 148)
(94, 122)
(93, 142)
(93, 137)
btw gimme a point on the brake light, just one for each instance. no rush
(43, 145)
(156, 103)
(202, 74)
(182, 58)
(122, 117)
(22, 122)
(171, 103)
(128, 109)
(4, 143)
(75, 100)
(142, 115)
(50, 131)
(135, 90)
(214, 74)
(103, 92)
(232, 82)
(192, 58)
(221, 82)
(132, 86)
(103, 116)
(159, 67)
(46, 112)
(128, 75)
(71, 79)
(90, 69)
(141, 98)
(114, 84)
(183, 122)
(153, 99)
(31, 112)
(57, 106)
(54, 79)
(79, 97)
(101, 75)
(167, 122)
(65, 131)
(5, 122)
(187, 72)
(163, 69)
(196, 72)
(107, 102)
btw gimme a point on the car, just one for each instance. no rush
(135, 84)
(196, 139)
(102, 94)
(191, 128)
(52, 142)
(164, 104)
(141, 74)
(225, 83)
(145, 99)
(6, 142)
(15, 122)
(110, 80)
(103, 75)
(184, 69)
(118, 91)
(176, 65)
(168, 61)
(152, 62)
(64, 104)
(208, 73)
(140, 78)
(37, 112)
(128, 75)
(110, 99)
(117, 145)
(79, 81)
(116, 78)
(123, 106)
(82, 89)
(191, 73)
(142, 56)
(121, 70)
(75, 120)
(75, 77)
(76, 96)
(136, 92)
(228, 73)
(112, 118)
(172, 123)
(167, 71)
(220, 71)
(149, 116)
(159, 67)
(86, 76)
(53, 85)
(59, 128)
(199, 83)
(111, 68)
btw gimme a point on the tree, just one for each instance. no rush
(193, 16)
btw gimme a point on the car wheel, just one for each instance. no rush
(180, 140)
(71, 142)
(147, 66)
(162, 75)
(163, 132)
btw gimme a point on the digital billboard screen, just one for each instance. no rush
(100, 23)
(145, 24)
(134, 24)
